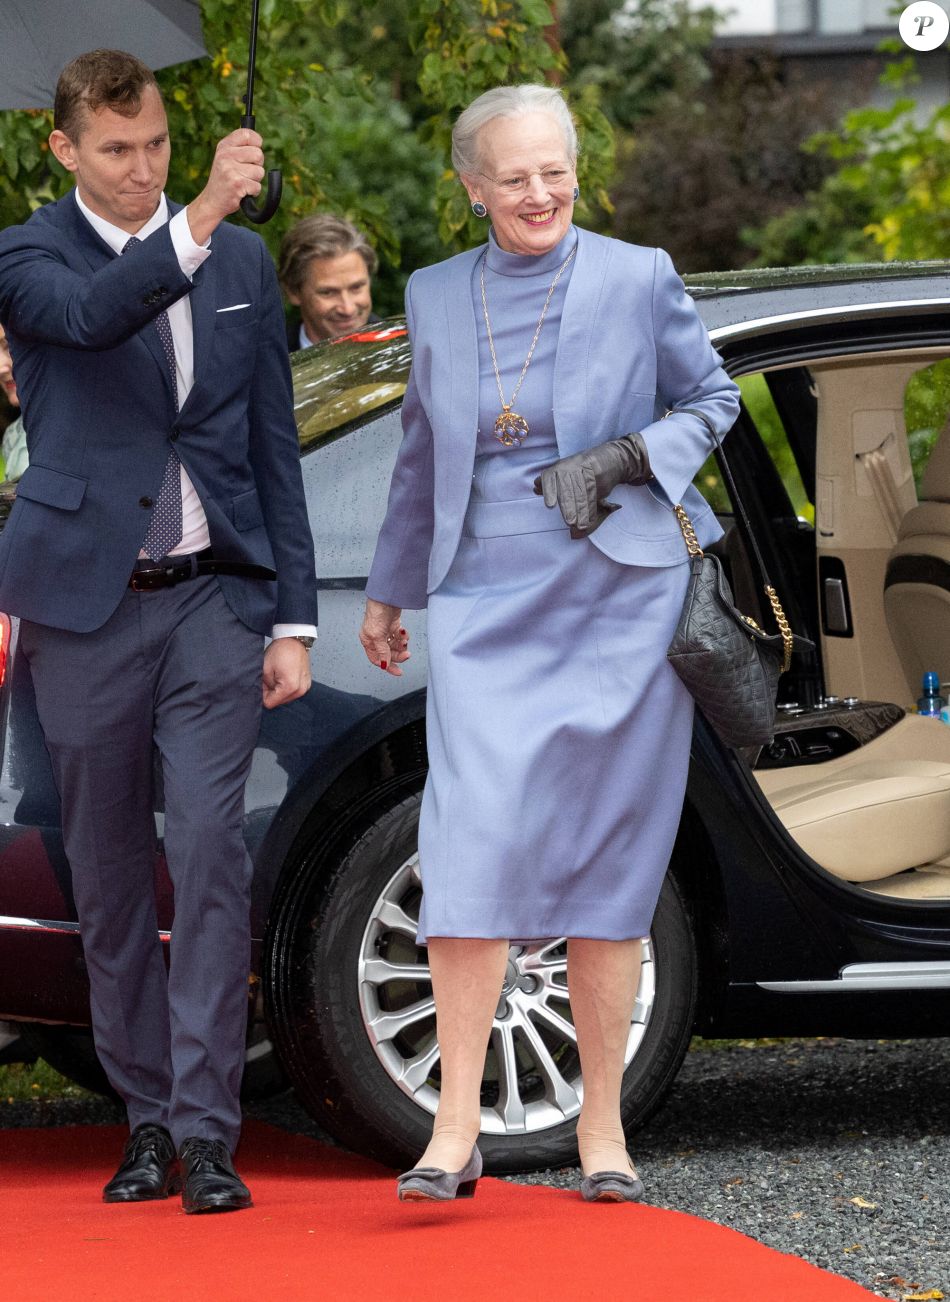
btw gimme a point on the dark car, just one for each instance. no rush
(809, 890)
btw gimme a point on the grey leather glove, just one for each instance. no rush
(579, 484)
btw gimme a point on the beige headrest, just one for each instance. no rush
(929, 520)
(935, 482)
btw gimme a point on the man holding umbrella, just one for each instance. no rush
(159, 532)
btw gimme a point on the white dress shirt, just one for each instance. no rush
(195, 536)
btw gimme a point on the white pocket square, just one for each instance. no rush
(234, 308)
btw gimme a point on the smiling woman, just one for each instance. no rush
(521, 170)
(551, 704)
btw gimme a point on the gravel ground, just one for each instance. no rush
(835, 1150)
(779, 1141)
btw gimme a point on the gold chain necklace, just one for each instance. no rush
(510, 428)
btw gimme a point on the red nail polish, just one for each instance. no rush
(383, 664)
(403, 632)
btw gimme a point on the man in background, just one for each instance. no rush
(325, 267)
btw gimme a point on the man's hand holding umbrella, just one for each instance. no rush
(237, 170)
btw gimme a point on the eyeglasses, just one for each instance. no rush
(551, 177)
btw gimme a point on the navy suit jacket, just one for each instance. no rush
(631, 346)
(100, 413)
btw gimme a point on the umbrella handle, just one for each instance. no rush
(275, 185)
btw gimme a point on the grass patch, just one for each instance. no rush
(38, 1081)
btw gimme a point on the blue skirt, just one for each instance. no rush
(558, 734)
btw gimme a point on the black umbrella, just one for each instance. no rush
(275, 181)
(39, 37)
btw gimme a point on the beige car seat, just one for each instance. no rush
(917, 580)
(879, 815)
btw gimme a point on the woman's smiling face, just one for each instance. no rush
(529, 218)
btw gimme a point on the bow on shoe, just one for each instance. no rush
(579, 484)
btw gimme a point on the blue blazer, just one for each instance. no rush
(100, 415)
(631, 346)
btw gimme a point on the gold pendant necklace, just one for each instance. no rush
(510, 428)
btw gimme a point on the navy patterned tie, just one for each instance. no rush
(165, 526)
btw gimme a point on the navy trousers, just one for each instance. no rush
(177, 671)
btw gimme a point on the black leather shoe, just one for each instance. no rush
(211, 1182)
(148, 1170)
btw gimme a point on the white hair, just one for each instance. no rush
(507, 102)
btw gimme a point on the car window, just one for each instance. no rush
(926, 409)
(760, 407)
(347, 486)
(343, 380)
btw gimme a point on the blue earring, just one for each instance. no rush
(479, 209)
(577, 193)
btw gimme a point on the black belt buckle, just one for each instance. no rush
(149, 581)
(153, 579)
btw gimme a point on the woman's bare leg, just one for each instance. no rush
(467, 977)
(602, 977)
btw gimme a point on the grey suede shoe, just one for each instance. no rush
(611, 1187)
(431, 1183)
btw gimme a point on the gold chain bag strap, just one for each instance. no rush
(730, 665)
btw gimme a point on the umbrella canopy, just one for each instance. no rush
(39, 37)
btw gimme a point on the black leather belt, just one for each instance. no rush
(149, 576)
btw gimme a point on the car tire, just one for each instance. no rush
(333, 931)
(70, 1051)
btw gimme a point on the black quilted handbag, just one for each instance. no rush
(730, 665)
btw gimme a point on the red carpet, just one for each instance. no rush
(327, 1225)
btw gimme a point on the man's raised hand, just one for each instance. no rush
(237, 170)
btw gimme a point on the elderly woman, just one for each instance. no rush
(531, 512)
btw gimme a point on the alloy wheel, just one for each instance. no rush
(532, 1071)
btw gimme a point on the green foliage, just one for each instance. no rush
(642, 59)
(831, 226)
(759, 404)
(888, 197)
(29, 176)
(730, 151)
(926, 408)
(37, 1082)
